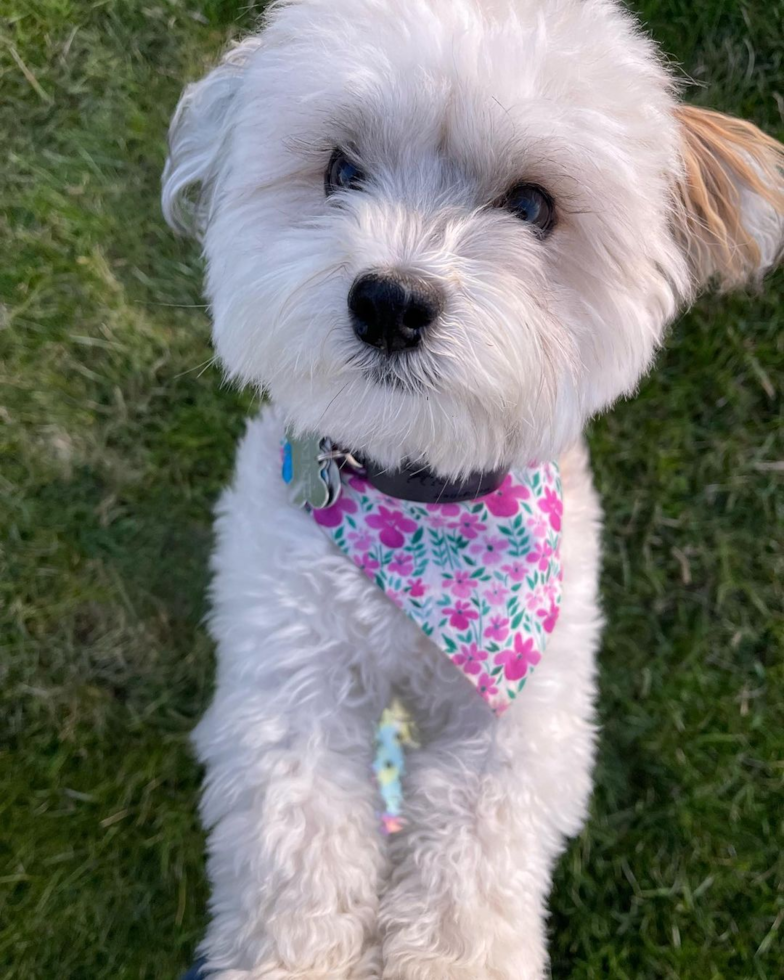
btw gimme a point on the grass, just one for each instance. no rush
(116, 436)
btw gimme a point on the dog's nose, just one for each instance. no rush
(391, 311)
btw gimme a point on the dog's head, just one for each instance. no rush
(453, 230)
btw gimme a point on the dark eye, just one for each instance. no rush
(341, 174)
(531, 204)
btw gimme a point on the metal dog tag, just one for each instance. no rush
(314, 478)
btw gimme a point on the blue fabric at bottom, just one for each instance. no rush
(195, 972)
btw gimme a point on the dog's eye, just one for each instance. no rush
(341, 174)
(531, 204)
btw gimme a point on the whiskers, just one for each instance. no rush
(201, 368)
(410, 372)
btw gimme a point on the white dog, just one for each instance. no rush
(446, 232)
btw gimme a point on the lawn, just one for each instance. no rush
(116, 434)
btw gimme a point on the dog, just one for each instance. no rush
(441, 234)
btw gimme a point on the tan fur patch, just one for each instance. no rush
(723, 155)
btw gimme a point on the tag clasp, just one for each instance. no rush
(310, 468)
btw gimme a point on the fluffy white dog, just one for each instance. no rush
(524, 169)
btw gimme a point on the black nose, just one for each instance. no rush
(391, 311)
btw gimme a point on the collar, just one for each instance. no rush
(421, 485)
(314, 468)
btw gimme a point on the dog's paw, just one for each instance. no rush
(453, 946)
(367, 968)
(273, 972)
(414, 967)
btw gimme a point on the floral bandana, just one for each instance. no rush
(482, 578)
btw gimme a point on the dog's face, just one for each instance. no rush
(453, 230)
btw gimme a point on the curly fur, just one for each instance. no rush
(445, 104)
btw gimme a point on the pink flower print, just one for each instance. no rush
(366, 562)
(541, 555)
(553, 507)
(461, 615)
(496, 594)
(360, 539)
(551, 590)
(438, 521)
(402, 564)
(392, 524)
(416, 588)
(468, 525)
(461, 584)
(333, 516)
(486, 686)
(498, 629)
(549, 617)
(491, 550)
(517, 661)
(470, 659)
(396, 597)
(538, 527)
(505, 501)
(534, 599)
(448, 510)
(516, 571)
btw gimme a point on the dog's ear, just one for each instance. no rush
(198, 137)
(729, 198)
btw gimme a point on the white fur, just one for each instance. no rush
(445, 103)
(309, 653)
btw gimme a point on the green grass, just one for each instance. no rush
(116, 437)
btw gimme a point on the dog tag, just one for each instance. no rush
(314, 479)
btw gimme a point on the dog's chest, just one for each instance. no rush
(481, 578)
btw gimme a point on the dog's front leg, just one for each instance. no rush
(467, 896)
(488, 811)
(295, 856)
(490, 802)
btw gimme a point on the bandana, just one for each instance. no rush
(481, 578)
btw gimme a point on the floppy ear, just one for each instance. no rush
(198, 137)
(730, 198)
